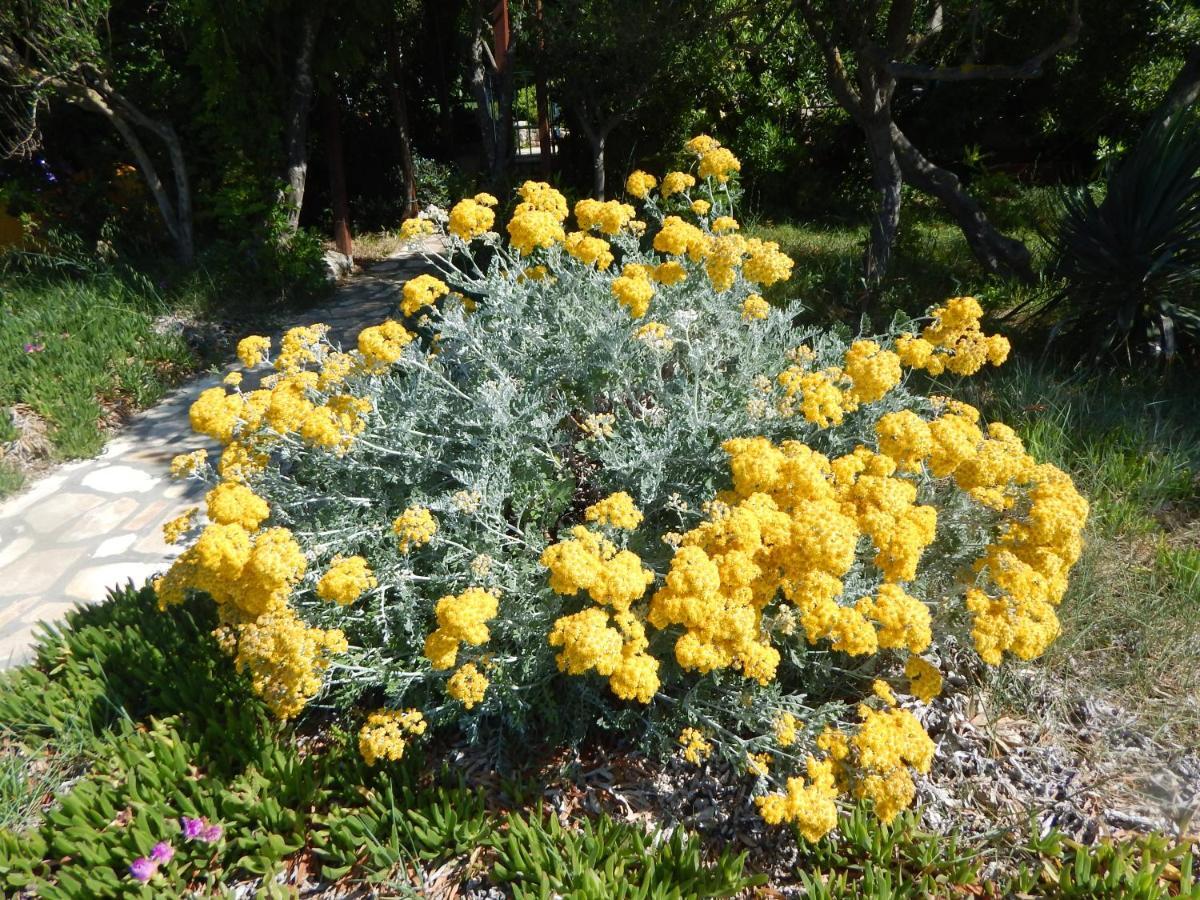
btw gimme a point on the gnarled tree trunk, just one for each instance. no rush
(995, 251)
(888, 181)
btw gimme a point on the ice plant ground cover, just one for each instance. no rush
(592, 479)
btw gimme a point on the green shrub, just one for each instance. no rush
(452, 533)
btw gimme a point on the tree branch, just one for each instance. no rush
(839, 79)
(1030, 68)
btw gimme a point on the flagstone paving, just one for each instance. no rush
(97, 524)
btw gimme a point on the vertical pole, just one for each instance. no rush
(500, 36)
(337, 177)
(543, 104)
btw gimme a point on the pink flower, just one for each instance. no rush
(162, 852)
(200, 830)
(192, 828)
(143, 869)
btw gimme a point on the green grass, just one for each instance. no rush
(931, 262)
(76, 346)
(1131, 618)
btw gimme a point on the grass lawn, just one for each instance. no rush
(78, 348)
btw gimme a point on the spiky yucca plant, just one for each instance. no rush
(1131, 262)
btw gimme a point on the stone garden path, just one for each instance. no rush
(96, 524)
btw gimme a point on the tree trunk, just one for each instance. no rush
(177, 215)
(92, 91)
(297, 119)
(400, 111)
(337, 178)
(1182, 93)
(483, 98)
(887, 180)
(996, 252)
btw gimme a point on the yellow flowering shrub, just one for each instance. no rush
(595, 480)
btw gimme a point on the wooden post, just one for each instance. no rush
(545, 141)
(500, 36)
(337, 177)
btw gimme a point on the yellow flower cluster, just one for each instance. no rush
(885, 746)
(590, 562)
(924, 680)
(230, 503)
(248, 575)
(811, 806)
(868, 372)
(414, 527)
(589, 643)
(382, 345)
(701, 207)
(696, 747)
(872, 371)
(634, 289)
(300, 346)
(1027, 568)
(655, 335)
(461, 618)
(725, 223)
(719, 163)
(589, 250)
(676, 183)
(186, 464)
(886, 510)
(723, 257)
(420, 292)
(639, 184)
(677, 237)
(953, 342)
(792, 524)
(766, 263)
(468, 685)
(608, 217)
(286, 659)
(754, 307)
(346, 579)
(469, 219)
(785, 730)
(1028, 564)
(537, 220)
(613, 578)
(175, 529)
(253, 350)
(387, 732)
(617, 510)
(416, 227)
(669, 272)
(531, 229)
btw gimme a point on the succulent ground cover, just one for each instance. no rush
(130, 732)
